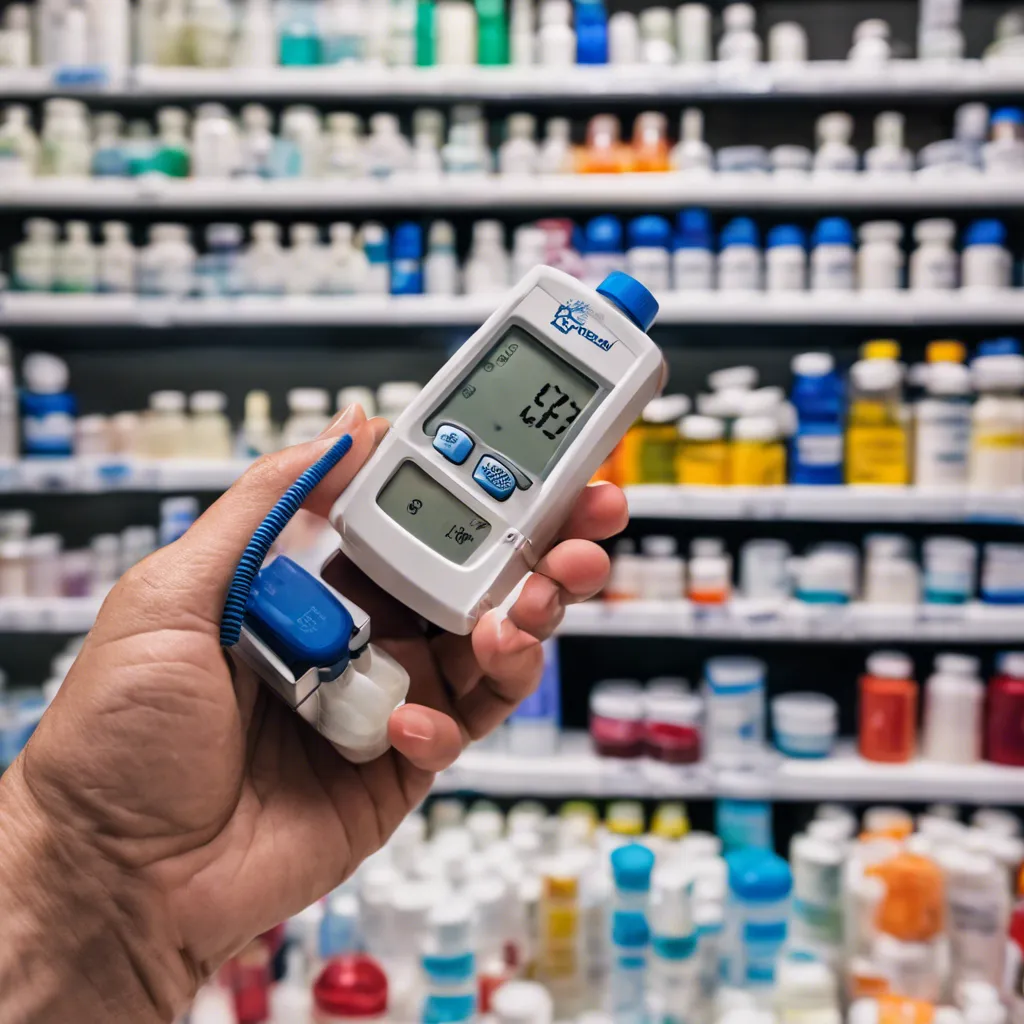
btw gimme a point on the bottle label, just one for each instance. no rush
(694, 270)
(936, 273)
(832, 271)
(943, 446)
(876, 455)
(52, 434)
(704, 463)
(819, 450)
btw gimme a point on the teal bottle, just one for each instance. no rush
(492, 45)
(300, 35)
(426, 35)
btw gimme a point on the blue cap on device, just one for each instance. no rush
(299, 619)
(740, 231)
(631, 297)
(604, 235)
(649, 233)
(694, 229)
(833, 231)
(985, 232)
(785, 235)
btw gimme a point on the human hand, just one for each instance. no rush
(169, 807)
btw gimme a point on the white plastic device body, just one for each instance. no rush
(555, 322)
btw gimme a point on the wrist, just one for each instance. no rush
(81, 936)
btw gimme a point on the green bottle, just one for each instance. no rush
(492, 32)
(425, 38)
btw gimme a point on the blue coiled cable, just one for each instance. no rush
(262, 540)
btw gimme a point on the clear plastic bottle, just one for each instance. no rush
(691, 154)
(997, 433)
(519, 153)
(35, 259)
(306, 262)
(264, 264)
(299, 36)
(876, 436)
(19, 147)
(77, 270)
(556, 155)
(165, 427)
(209, 435)
(347, 266)
(386, 150)
(835, 155)
(934, 264)
(308, 415)
(257, 142)
(258, 435)
(880, 261)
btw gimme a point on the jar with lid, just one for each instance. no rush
(165, 426)
(888, 709)
(672, 726)
(210, 429)
(617, 718)
(704, 455)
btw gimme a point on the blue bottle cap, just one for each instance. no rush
(630, 930)
(631, 297)
(407, 242)
(591, 33)
(785, 234)
(740, 231)
(694, 230)
(1009, 115)
(985, 232)
(649, 233)
(759, 875)
(999, 347)
(631, 867)
(604, 235)
(832, 231)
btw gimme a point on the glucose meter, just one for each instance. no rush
(460, 500)
(471, 485)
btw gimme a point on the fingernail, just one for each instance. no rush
(345, 420)
(418, 725)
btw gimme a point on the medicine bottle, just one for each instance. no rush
(880, 261)
(623, 38)
(625, 581)
(693, 33)
(19, 146)
(693, 262)
(704, 456)
(997, 430)
(870, 44)
(647, 258)
(691, 154)
(876, 436)
(757, 454)
(835, 155)
(986, 263)
(740, 264)
(954, 698)
(673, 725)
(734, 699)
(787, 43)
(739, 43)
(657, 37)
(77, 270)
(48, 408)
(950, 566)
(617, 718)
(889, 155)
(1004, 716)
(519, 153)
(650, 143)
(308, 410)
(942, 440)
(888, 709)
(786, 259)
(35, 259)
(116, 261)
(934, 264)
(832, 256)
(817, 448)
(710, 575)
(165, 426)
(556, 153)
(664, 571)
(651, 448)
(793, 162)
(209, 428)
(351, 988)
(1005, 153)
(604, 251)
(556, 40)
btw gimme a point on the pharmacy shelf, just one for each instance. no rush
(897, 79)
(895, 309)
(512, 192)
(103, 475)
(575, 770)
(795, 621)
(825, 504)
(738, 621)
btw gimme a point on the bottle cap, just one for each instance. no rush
(604, 235)
(948, 379)
(813, 364)
(702, 428)
(351, 987)
(785, 235)
(958, 665)
(999, 347)
(835, 127)
(890, 665)
(832, 231)
(935, 229)
(758, 875)
(168, 401)
(734, 671)
(1011, 663)
(945, 351)
(739, 18)
(733, 378)
(739, 231)
(45, 374)
(407, 242)
(890, 231)
(441, 235)
(522, 1002)
(309, 400)
(985, 232)
(881, 348)
(630, 296)
(257, 406)
(666, 409)
(755, 428)
(655, 546)
(1007, 115)
(208, 402)
(694, 230)
(649, 232)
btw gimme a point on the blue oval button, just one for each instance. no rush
(454, 444)
(495, 478)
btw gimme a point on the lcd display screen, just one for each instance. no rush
(521, 401)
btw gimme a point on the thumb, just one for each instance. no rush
(194, 573)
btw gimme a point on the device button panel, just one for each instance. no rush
(495, 478)
(454, 444)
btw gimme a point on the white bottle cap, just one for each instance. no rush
(523, 1002)
(357, 395)
(441, 235)
(558, 129)
(659, 547)
(384, 124)
(835, 127)
(266, 231)
(813, 364)
(948, 379)
(40, 229)
(304, 235)
(755, 428)
(208, 402)
(309, 400)
(889, 129)
(45, 374)
(890, 665)
(666, 409)
(702, 428)
(935, 229)
(881, 231)
(256, 117)
(876, 374)
(735, 671)
(257, 406)
(739, 18)
(871, 28)
(733, 377)
(168, 401)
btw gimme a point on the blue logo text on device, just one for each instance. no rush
(573, 316)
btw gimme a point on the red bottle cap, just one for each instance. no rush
(351, 987)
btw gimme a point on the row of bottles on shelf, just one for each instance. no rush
(38, 565)
(832, 573)
(725, 724)
(412, 261)
(97, 35)
(174, 425)
(533, 917)
(939, 425)
(213, 145)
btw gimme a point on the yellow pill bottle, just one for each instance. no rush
(757, 456)
(877, 449)
(703, 459)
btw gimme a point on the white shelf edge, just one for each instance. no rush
(114, 476)
(895, 309)
(575, 770)
(824, 504)
(795, 621)
(817, 78)
(640, 191)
